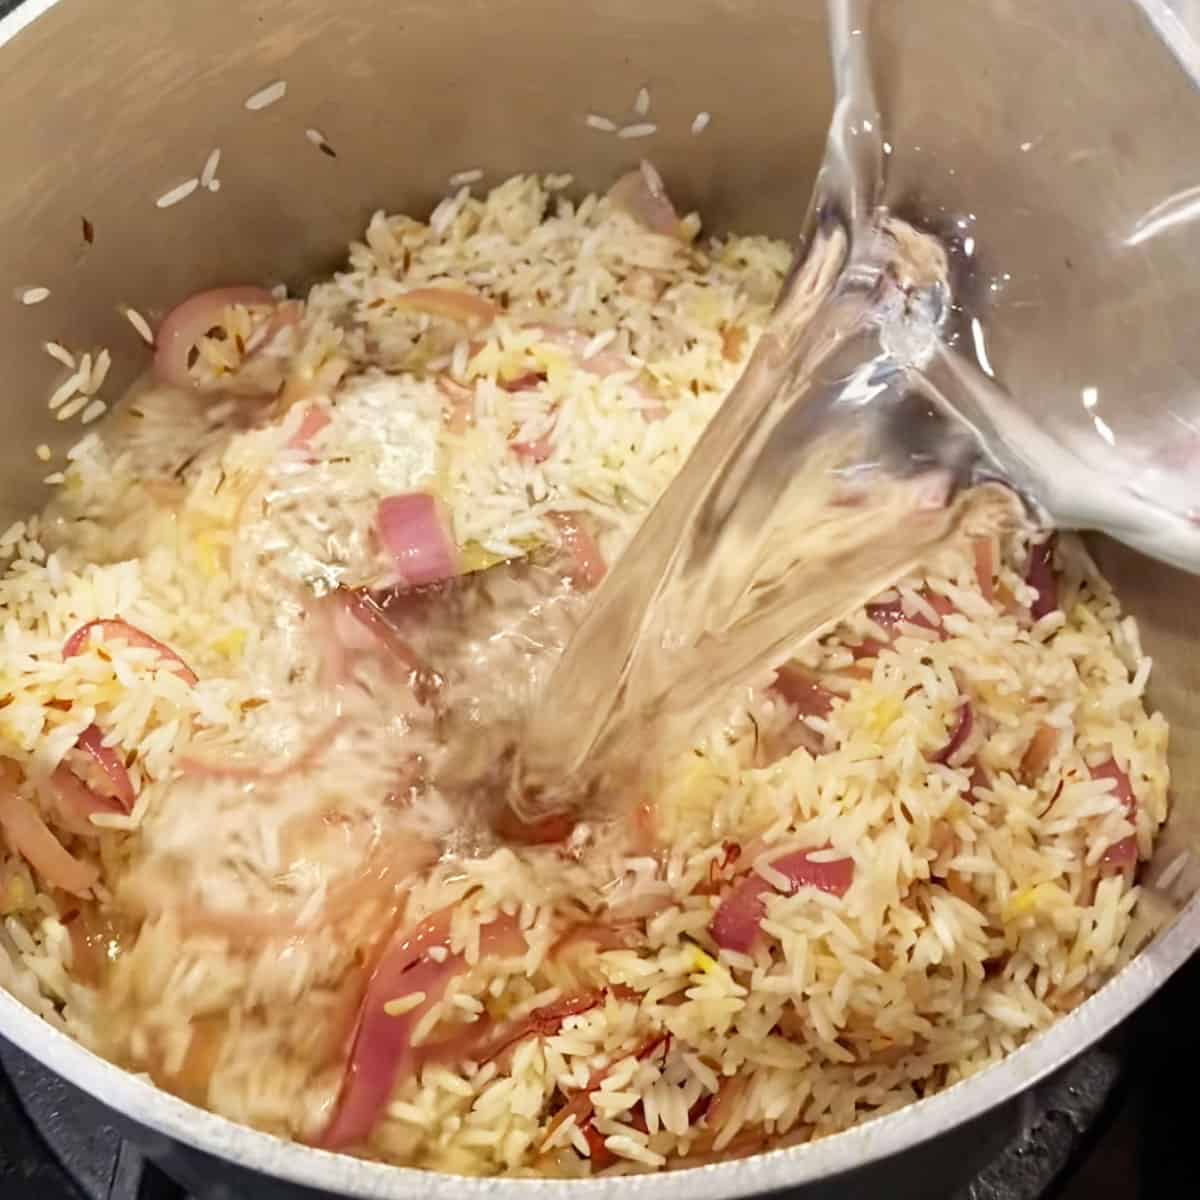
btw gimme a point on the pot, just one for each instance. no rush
(110, 106)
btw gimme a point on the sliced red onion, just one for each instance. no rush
(188, 322)
(452, 303)
(1122, 855)
(548, 830)
(91, 742)
(802, 689)
(588, 566)
(536, 451)
(1124, 789)
(28, 835)
(364, 611)
(1039, 574)
(381, 1052)
(359, 625)
(580, 1107)
(891, 612)
(415, 531)
(122, 631)
(983, 551)
(314, 420)
(543, 1023)
(886, 613)
(962, 730)
(77, 803)
(736, 923)
(287, 313)
(868, 648)
(642, 195)
(524, 383)
(1038, 754)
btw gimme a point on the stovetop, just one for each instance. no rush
(1108, 1127)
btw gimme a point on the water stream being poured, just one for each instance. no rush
(849, 449)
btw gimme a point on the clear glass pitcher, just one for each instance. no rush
(1067, 190)
(1043, 295)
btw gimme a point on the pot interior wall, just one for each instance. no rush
(120, 103)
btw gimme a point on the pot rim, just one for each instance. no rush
(135, 1097)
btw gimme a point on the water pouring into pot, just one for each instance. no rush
(864, 423)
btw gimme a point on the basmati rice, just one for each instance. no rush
(209, 174)
(139, 323)
(176, 194)
(60, 354)
(266, 96)
(256, 870)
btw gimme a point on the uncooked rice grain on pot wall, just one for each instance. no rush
(228, 704)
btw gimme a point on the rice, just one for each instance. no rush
(33, 295)
(181, 192)
(65, 390)
(943, 912)
(318, 139)
(60, 354)
(639, 129)
(140, 325)
(208, 176)
(700, 122)
(266, 96)
(601, 123)
(641, 102)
